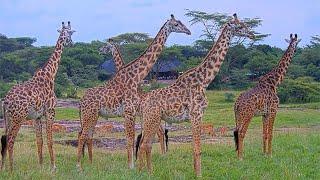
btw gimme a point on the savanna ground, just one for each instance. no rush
(296, 149)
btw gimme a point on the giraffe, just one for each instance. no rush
(120, 96)
(34, 99)
(262, 100)
(112, 47)
(185, 99)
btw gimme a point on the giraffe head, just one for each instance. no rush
(293, 42)
(110, 46)
(66, 33)
(174, 25)
(239, 28)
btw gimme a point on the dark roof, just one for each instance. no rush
(170, 65)
(109, 66)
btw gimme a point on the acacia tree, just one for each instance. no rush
(315, 41)
(212, 23)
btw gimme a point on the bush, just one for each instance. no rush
(301, 90)
(229, 97)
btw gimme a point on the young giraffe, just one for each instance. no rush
(112, 47)
(262, 100)
(34, 99)
(185, 99)
(119, 96)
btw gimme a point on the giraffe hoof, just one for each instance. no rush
(79, 168)
(53, 169)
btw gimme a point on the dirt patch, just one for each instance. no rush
(69, 103)
(112, 144)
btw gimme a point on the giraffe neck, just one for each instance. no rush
(118, 60)
(50, 69)
(276, 75)
(140, 67)
(209, 68)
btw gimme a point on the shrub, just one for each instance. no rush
(301, 90)
(229, 97)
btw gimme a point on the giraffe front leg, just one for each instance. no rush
(39, 139)
(196, 118)
(129, 130)
(270, 120)
(12, 134)
(50, 114)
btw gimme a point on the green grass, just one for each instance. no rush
(67, 113)
(296, 151)
(296, 155)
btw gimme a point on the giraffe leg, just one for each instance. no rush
(196, 118)
(160, 134)
(129, 130)
(264, 134)
(242, 130)
(39, 139)
(90, 145)
(12, 134)
(50, 118)
(150, 128)
(271, 119)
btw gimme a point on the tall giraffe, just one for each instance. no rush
(185, 99)
(112, 47)
(34, 99)
(262, 100)
(120, 95)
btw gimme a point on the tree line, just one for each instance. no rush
(245, 62)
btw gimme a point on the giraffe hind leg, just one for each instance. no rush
(12, 134)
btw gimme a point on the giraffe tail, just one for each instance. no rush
(138, 144)
(236, 138)
(4, 137)
(166, 138)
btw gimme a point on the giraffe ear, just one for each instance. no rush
(295, 36)
(59, 31)
(172, 16)
(287, 40)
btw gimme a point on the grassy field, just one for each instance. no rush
(296, 151)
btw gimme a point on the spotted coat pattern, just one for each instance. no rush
(35, 99)
(262, 100)
(120, 95)
(185, 99)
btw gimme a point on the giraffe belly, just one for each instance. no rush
(180, 117)
(108, 112)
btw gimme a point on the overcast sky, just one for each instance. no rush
(101, 19)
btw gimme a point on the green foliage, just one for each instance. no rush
(229, 96)
(213, 22)
(302, 90)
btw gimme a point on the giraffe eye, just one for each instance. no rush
(176, 24)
